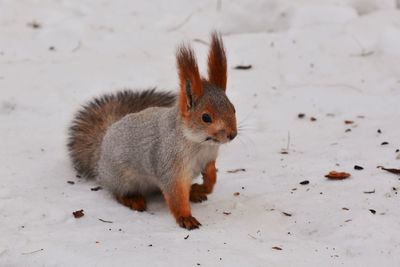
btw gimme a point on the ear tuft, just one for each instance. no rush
(189, 78)
(189, 95)
(217, 66)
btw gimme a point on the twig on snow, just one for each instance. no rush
(32, 252)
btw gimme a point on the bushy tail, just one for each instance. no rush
(91, 122)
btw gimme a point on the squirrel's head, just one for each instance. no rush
(208, 115)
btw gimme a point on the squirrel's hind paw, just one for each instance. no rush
(198, 193)
(135, 202)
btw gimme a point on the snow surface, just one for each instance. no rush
(334, 60)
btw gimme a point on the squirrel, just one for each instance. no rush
(138, 143)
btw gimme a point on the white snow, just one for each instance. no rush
(334, 60)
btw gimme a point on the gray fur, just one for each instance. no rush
(140, 152)
(91, 122)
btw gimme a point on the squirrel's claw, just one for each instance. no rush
(188, 222)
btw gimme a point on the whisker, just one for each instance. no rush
(246, 117)
(242, 129)
(243, 125)
(246, 128)
(242, 138)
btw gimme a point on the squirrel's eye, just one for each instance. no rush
(206, 118)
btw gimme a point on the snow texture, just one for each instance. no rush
(333, 60)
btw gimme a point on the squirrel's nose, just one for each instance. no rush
(232, 136)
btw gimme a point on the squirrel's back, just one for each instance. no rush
(91, 122)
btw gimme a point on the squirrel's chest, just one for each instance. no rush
(196, 162)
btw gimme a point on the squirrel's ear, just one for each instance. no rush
(217, 66)
(191, 88)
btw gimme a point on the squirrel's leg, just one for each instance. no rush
(177, 198)
(198, 192)
(133, 201)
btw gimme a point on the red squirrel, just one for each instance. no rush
(136, 143)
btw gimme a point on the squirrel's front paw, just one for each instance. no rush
(198, 193)
(188, 222)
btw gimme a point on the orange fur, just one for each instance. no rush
(213, 128)
(220, 129)
(178, 203)
(178, 199)
(210, 177)
(217, 65)
(198, 192)
(188, 72)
